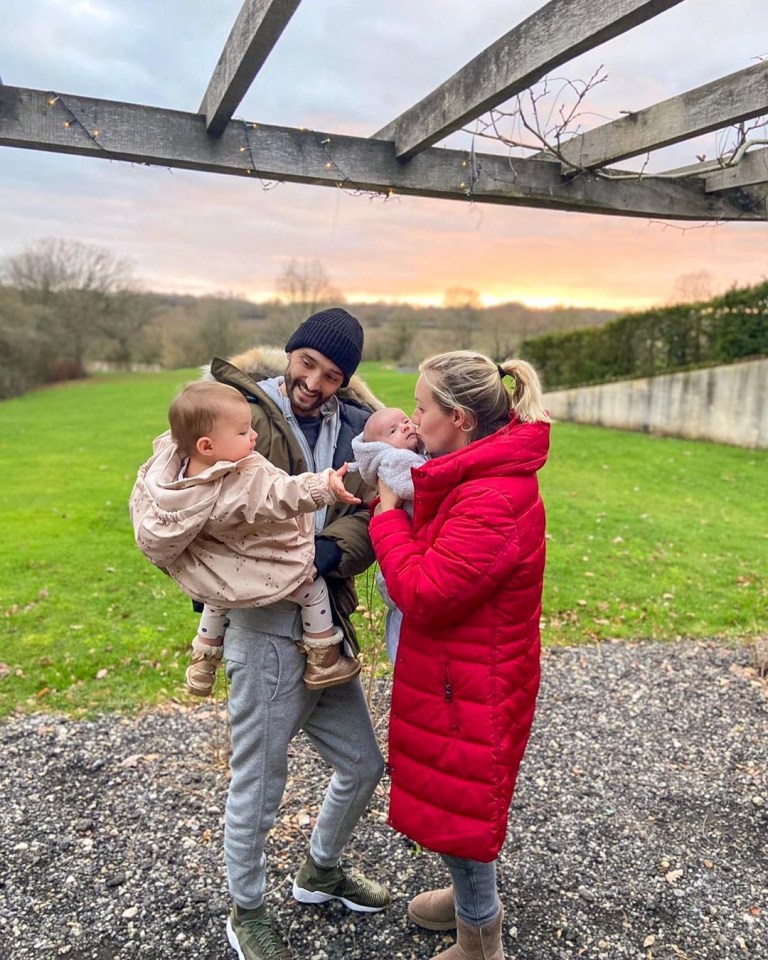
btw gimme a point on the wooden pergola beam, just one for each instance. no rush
(751, 169)
(254, 34)
(700, 169)
(555, 34)
(68, 124)
(731, 99)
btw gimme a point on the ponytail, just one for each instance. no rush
(526, 394)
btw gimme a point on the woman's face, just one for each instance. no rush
(440, 432)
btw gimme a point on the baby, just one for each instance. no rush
(235, 531)
(387, 449)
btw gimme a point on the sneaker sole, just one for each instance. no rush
(317, 896)
(233, 942)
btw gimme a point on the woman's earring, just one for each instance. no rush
(468, 429)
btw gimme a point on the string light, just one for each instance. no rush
(248, 148)
(72, 120)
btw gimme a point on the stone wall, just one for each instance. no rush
(726, 404)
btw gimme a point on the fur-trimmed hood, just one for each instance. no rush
(262, 363)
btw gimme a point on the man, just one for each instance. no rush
(305, 420)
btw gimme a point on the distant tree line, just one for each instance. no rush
(67, 308)
(679, 337)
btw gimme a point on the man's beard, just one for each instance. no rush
(306, 403)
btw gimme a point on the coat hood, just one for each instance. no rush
(161, 502)
(263, 363)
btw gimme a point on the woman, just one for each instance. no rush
(467, 573)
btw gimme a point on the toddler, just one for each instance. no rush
(233, 530)
(387, 449)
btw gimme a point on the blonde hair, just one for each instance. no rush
(473, 383)
(196, 409)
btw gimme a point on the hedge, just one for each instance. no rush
(727, 328)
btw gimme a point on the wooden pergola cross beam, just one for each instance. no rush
(256, 31)
(751, 169)
(555, 34)
(40, 120)
(400, 158)
(731, 99)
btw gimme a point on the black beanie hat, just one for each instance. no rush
(334, 333)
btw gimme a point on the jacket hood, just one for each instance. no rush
(263, 363)
(517, 449)
(169, 503)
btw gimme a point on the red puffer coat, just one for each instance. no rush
(467, 573)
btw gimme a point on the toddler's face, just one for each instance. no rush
(232, 436)
(394, 427)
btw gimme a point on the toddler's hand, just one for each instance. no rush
(337, 485)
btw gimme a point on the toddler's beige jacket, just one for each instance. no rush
(237, 535)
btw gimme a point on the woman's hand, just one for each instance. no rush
(337, 485)
(388, 500)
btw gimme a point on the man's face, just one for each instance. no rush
(310, 380)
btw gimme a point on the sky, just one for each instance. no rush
(351, 66)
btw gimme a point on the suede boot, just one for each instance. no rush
(201, 673)
(434, 909)
(326, 665)
(476, 943)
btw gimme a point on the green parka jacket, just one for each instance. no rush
(346, 525)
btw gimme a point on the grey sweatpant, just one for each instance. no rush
(268, 705)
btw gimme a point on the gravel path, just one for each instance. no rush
(639, 828)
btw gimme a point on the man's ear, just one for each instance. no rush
(204, 446)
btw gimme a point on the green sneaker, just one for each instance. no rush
(314, 884)
(250, 933)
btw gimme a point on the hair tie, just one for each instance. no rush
(502, 371)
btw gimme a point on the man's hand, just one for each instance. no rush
(337, 485)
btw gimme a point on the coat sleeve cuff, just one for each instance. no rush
(327, 555)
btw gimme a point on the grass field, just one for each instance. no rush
(648, 537)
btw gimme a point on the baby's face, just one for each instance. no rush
(394, 427)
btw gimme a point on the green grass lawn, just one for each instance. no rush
(649, 537)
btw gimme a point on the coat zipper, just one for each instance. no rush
(453, 710)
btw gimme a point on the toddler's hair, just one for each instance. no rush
(195, 410)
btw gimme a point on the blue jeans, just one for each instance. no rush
(474, 889)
